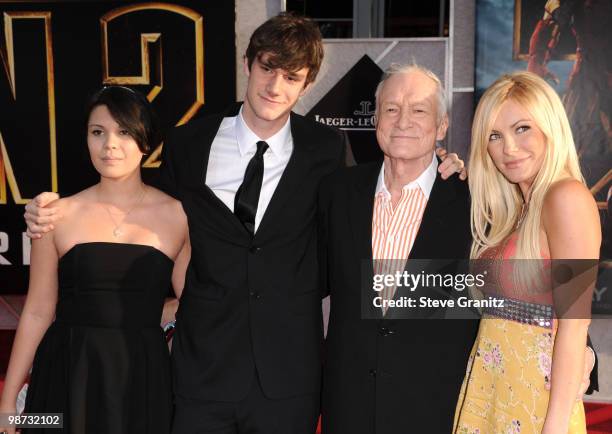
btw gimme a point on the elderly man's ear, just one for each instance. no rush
(442, 128)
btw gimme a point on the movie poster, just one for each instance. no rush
(568, 43)
(54, 55)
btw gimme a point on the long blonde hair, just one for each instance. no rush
(497, 203)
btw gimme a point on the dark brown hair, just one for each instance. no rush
(293, 42)
(131, 110)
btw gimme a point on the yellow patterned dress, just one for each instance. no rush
(507, 384)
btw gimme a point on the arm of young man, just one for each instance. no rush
(39, 217)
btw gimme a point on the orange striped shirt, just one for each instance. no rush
(394, 229)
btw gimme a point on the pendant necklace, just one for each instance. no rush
(117, 231)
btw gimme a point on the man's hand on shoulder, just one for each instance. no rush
(451, 164)
(38, 217)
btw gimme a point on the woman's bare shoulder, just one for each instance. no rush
(70, 205)
(165, 204)
(568, 197)
(569, 209)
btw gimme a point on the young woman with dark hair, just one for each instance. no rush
(90, 326)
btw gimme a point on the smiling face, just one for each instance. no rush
(113, 151)
(271, 93)
(516, 145)
(407, 117)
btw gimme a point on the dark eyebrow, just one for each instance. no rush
(519, 121)
(297, 75)
(96, 125)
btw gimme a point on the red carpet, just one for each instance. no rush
(599, 418)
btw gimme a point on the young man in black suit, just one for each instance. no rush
(246, 352)
(247, 347)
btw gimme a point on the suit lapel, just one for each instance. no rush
(201, 139)
(198, 161)
(361, 207)
(428, 238)
(293, 175)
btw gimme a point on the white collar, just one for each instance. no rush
(425, 180)
(279, 143)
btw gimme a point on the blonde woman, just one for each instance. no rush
(529, 201)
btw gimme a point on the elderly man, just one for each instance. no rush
(386, 376)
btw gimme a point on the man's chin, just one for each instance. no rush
(271, 115)
(402, 154)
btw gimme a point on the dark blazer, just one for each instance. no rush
(250, 305)
(388, 376)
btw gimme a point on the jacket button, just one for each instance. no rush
(386, 331)
(372, 372)
(254, 249)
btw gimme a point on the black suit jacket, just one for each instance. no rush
(249, 304)
(386, 376)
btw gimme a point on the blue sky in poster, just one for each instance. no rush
(494, 30)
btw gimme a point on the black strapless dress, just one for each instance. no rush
(104, 362)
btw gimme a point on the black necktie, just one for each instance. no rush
(247, 196)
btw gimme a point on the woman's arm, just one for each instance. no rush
(572, 226)
(37, 315)
(178, 282)
(178, 272)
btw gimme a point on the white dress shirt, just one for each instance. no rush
(230, 153)
(395, 228)
(425, 180)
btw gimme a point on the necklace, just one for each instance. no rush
(117, 231)
(521, 215)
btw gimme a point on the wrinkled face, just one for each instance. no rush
(516, 145)
(407, 126)
(114, 153)
(272, 93)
